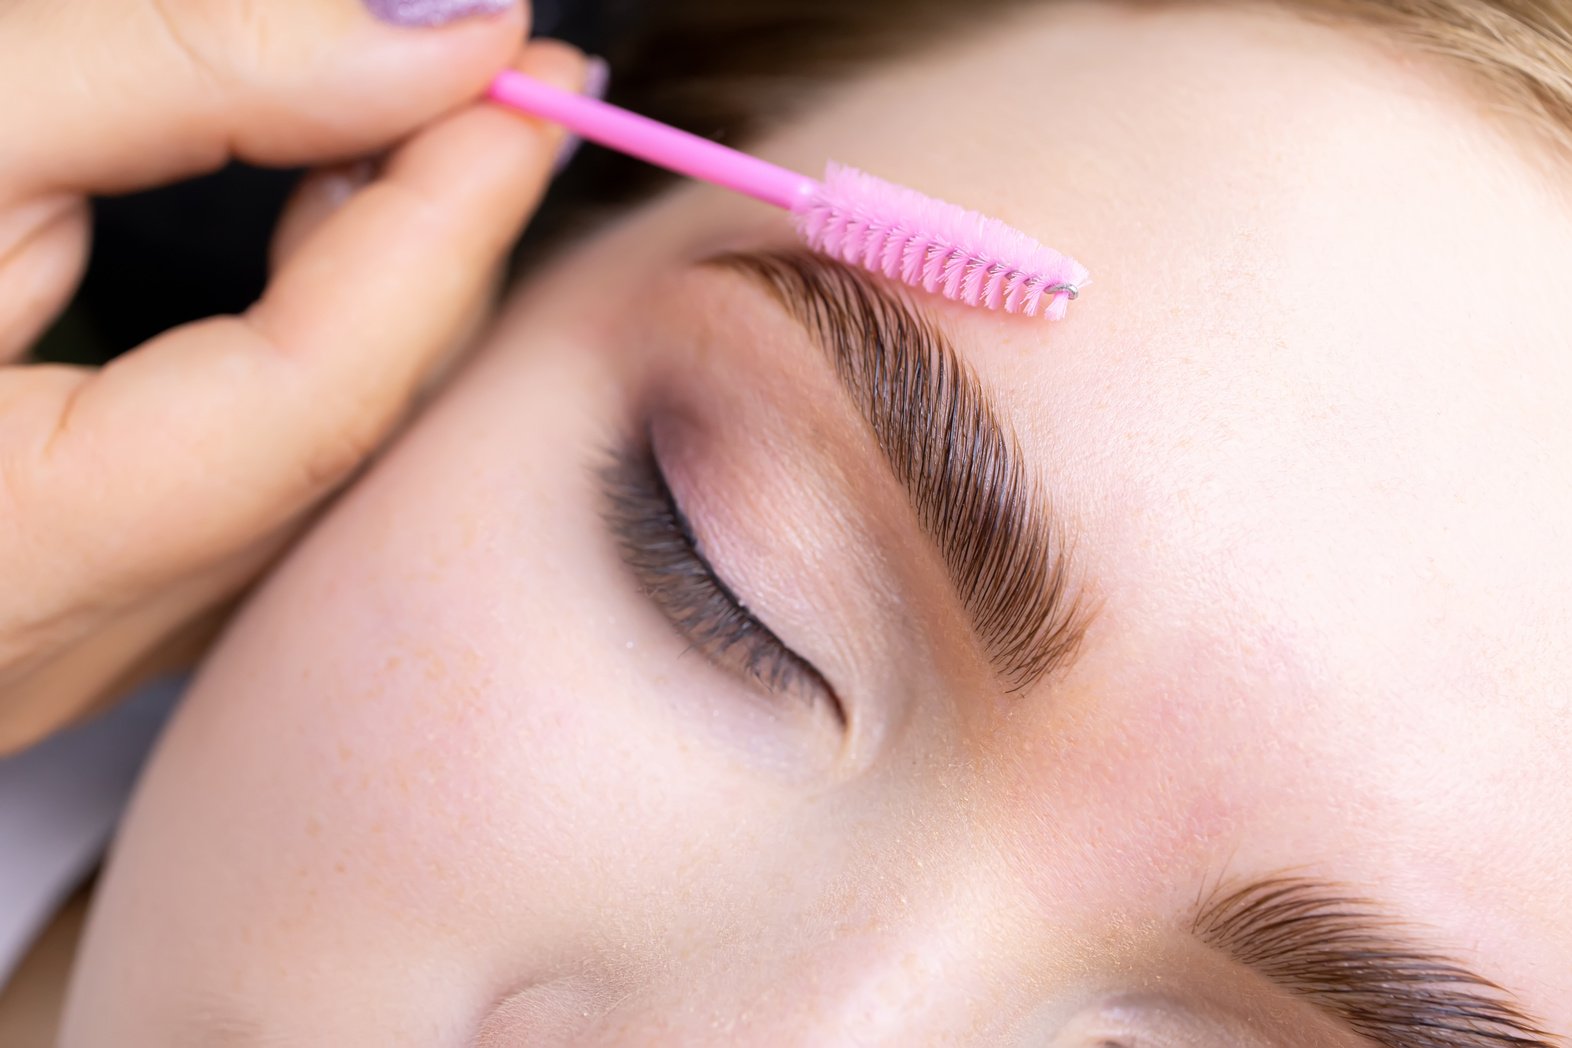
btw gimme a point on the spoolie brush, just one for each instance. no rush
(850, 215)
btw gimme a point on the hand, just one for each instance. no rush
(135, 498)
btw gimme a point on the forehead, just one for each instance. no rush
(1318, 385)
(1308, 423)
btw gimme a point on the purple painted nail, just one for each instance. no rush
(434, 12)
(597, 78)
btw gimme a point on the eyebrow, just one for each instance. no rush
(1339, 951)
(961, 465)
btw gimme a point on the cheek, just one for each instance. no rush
(436, 741)
(445, 656)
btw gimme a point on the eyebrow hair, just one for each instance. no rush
(961, 465)
(1337, 950)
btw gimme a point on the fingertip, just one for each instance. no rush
(368, 83)
(555, 61)
(450, 65)
(492, 146)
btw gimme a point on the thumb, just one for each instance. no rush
(123, 94)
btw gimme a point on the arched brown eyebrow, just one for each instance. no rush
(1339, 951)
(1007, 554)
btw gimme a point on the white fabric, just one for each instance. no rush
(59, 803)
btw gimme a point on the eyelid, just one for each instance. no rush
(659, 546)
(1008, 551)
(1143, 1020)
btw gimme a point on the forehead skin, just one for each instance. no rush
(1308, 425)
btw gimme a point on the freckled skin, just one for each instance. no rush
(426, 789)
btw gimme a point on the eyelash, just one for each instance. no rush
(659, 547)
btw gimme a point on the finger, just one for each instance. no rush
(163, 636)
(319, 196)
(128, 93)
(43, 247)
(323, 193)
(188, 449)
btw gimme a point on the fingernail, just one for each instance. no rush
(597, 78)
(434, 12)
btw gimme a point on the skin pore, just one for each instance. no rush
(454, 777)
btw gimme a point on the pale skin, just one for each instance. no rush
(452, 778)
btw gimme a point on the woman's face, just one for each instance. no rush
(1193, 672)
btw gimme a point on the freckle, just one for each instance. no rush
(433, 665)
(313, 827)
(345, 754)
(338, 867)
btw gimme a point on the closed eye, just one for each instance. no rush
(659, 546)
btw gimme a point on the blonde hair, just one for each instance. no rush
(1519, 51)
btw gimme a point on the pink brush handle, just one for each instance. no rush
(653, 141)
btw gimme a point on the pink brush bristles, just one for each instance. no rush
(851, 216)
(936, 246)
